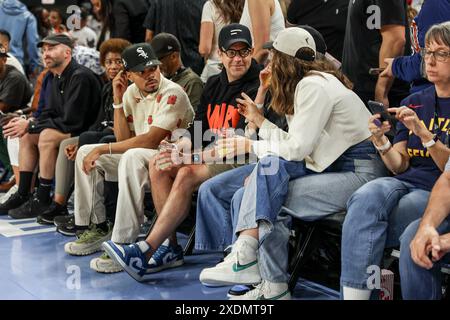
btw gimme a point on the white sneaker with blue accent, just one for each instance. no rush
(266, 290)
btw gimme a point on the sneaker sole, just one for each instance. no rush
(43, 221)
(83, 253)
(172, 264)
(68, 234)
(217, 282)
(89, 250)
(94, 267)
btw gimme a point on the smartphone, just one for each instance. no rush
(375, 71)
(379, 108)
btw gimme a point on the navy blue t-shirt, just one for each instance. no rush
(423, 172)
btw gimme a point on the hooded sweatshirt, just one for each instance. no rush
(409, 68)
(21, 24)
(218, 107)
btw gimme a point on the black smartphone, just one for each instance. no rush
(379, 108)
(375, 71)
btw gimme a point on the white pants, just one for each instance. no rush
(131, 171)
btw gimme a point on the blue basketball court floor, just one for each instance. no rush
(34, 266)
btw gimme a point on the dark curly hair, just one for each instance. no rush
(115, 45)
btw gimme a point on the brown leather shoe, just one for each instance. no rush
(5, 186)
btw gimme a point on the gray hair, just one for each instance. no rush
(439, 33)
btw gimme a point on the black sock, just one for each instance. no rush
(81, 228)
(25, 182)
(103, 226)
(43, 191)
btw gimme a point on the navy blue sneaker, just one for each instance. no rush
(166, 257)
(131, 257)
(133, 260)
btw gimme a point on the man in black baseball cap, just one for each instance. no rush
(168, 50)
(234, 33)
(235, 50)
(56, 39)
(138, 57)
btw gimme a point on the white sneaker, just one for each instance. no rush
(239, 267)
(266, 291)
(104, 264)
(8, 194)
(90, 241)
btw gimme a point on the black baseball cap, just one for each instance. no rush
(165, 43)
(3, 52)
(55, 39)
(234, 33)
(139, 56)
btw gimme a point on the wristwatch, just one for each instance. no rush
(31, 125)
(430, 143)
(196, 159)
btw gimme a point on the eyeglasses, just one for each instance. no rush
(439, 55)
(109, 62)
(243, 53)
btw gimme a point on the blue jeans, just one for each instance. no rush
(370, 211)
(419, 283)
(301, 193)
(214, 221)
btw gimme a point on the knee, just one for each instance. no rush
(132, 159)
(48, 139)
(184, 178)
(407, 236)
(208, 187)
(83, 152)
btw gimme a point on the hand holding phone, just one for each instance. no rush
(378, 108)
(375, 71)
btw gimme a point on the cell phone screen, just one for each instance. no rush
(375, 71)
(378, 108)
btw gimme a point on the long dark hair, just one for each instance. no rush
(287, 72)
(42, 28)
(106, 17)
(231, 10)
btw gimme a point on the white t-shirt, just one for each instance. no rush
(12, 61)
(276, 21)
(211, 14)
(86, 37)
(168, 108)
(447, 166)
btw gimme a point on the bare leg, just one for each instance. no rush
(49, 141)
(177, 204)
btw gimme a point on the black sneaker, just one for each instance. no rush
(61, 220)
(15, 201)
(30, 209)
(48, 216)
(68, 229)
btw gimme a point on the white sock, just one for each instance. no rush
(356, 294)
(144, 246)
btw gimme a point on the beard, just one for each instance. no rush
(54, 63)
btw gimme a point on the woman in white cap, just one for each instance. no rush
(322, 159)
